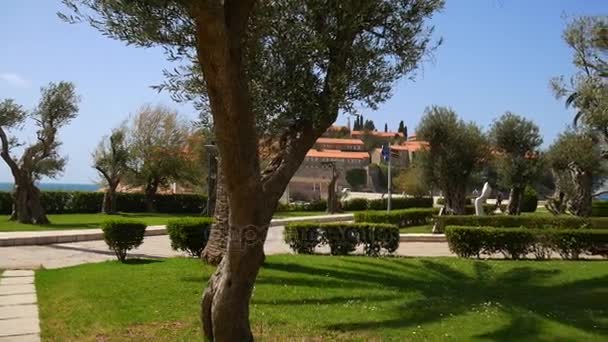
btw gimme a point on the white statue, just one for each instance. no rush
(479, 201)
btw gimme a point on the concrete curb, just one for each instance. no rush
(422, 237)
(33, 238)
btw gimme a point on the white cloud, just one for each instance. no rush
(14, 80)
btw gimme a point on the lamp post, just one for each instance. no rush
(211, 178)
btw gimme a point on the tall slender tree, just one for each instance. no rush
(385, 127)
(401, 127)
(111, 159)
(57, 107)
(324, 57)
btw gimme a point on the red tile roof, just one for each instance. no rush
(337, 154)
(415, 145)
(376, 133)
(338, 141)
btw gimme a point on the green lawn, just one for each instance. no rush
(287, 214)
(336, 298)
(416, 229)
(83, 221)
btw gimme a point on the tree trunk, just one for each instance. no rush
(150, 194)
(580, 204)
(27, 205)
(332, 205)
(109, 199)
(455, 200)
(216, 245)
(515, 198)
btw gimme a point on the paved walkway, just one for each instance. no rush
(69, 254)
(18, 307)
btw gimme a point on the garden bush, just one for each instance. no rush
(189, 234)
(600, 209)
(355, 204)
(342, 238)
(511, 221)
(303, 237)
(529, 200)
(400, 203)
(123, 235)
(516, 243)
(400, 218)
(73, 202)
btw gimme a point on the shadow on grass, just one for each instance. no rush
(137, 261)
(522, 293)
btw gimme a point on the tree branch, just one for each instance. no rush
(5, 153)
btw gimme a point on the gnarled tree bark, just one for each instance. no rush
(580, 204)
(515, 198)
(216, 245)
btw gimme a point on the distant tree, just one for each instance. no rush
(405, 132)
(158, 141)
(412, 182)
(111, 159)
(518, 160)
(401, 127)
(456, 149)
(385, 127)
(369, 125)
(58, 105)
(577, 161)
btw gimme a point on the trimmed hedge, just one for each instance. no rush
(123, 235)
(359, 204)
(512, 221)
(400, 218)
(516, 243)
(189, 234)
(73, 202)
(529, 200)
(342, 238)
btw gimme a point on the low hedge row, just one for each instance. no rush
(400, 218)
(359, 204)
(342, 238)
(511, 221)
(517, 243)
(189, 234)
(71, 202)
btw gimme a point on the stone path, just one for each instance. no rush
(70, 254)
(18, 307)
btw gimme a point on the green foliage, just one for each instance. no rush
(400, 218)
(518, 140)
(516, 243)
(412, 182)
(400, 203)
(73, 202)
(123, 235)
(342, 238)
(533, 222)
(529, 200)
(456, 150)
(356, 177)
(355, 204)
(189, 234)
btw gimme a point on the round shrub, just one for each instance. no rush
(189, 234)
(123, 235)
(529, 200)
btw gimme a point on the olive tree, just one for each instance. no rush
(58, 105)
(516, 142)
(111, 159)
(456, 150)
(577, 159)
(286, 67)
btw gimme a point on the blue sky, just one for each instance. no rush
(497, 55)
